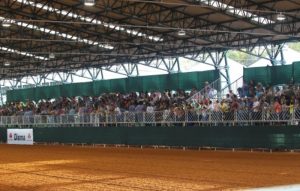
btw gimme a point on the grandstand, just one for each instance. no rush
(109, 73)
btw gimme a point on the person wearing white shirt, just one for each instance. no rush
(150, 115)
(256, 114)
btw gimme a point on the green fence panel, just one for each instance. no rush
(77, 89)
(21, 94)
(102, 86)
(258, 74)
(281, 74)
(207, 76)
(3, 135)
(118, 85)
(66, 90)
(134, 84)
(82, 89)
(275, 137)
(151, 83)
(13, 96)
(185, 81)
(273, 75)
(47, 92)
(188, 82)
(40, 93)
(170, 81)
(53, 91)
(27, 94)
(296, 72)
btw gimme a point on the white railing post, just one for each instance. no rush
(293, 120)
(235, 119)
(125, 117)
(106, 117)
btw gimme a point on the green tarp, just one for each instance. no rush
(274, 75)
(296, 71)
(185, 81)
(273, 137)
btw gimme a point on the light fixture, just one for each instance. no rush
(280, 17)
(89, 2)
(6, 63)
(181, 33)
(6, 23)
(51, 56)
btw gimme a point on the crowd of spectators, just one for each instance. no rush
(251, 97)
(106, 103)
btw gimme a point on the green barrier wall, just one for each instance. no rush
(274, 75)
(176, 81)
(287, 137)
(3, 135)
(296, 72)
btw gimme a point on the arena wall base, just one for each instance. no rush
(248, 137)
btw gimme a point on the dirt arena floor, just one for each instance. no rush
(43, 167)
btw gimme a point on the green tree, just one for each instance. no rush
(241, 57)
(294, 46)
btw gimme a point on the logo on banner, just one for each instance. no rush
(19, 137)
(10, 135)
(29, 136)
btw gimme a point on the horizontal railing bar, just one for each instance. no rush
(241, 117)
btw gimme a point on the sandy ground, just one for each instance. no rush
(42, 167)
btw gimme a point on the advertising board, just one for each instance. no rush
(20, 136)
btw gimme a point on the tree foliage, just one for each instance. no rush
(295, 46)
(241, 57)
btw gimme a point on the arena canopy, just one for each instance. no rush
(56, 37)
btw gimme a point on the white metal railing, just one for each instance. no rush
(209, 91)
(167, 117)
(233, 86)
(216, 92)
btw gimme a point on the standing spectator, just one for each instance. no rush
(277, 108)
(256, 112)
(150, 115)
(252, 90)
(207, 89)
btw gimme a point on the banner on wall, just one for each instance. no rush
(20, 136)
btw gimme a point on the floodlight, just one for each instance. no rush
(6, 63)
(281, 17)
(6, 23)
(181, 33)
(51, 56)
(89, 2)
